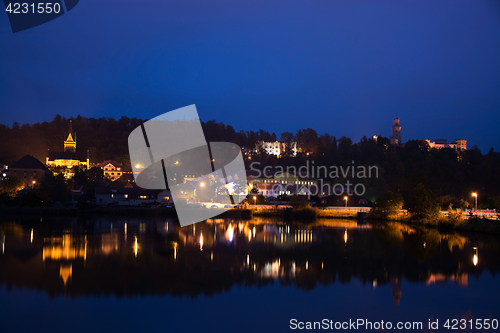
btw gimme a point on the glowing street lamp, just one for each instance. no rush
(255, 200)
(475, 197)
(202, 184)
(345, 198)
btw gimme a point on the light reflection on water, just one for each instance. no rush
(146, 257)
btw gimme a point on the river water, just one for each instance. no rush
(147, 275)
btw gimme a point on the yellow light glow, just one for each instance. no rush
(248, 259)
(137, 166)
(201, 242)
(345, 236)
(475, 260)
(136, 246)
(474, 194)
(345, 198)
(212, 256)
(202, 184)
(31, 240)
(230, 233)
(175, 253)
(307, 265)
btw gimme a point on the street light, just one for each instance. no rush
(475, 196)
(202, 184)
(345, 198)
(255, 200)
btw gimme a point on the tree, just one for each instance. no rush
(307, 140)
(11, 186)
(388, 205)
(423, 203)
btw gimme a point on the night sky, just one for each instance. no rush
(340, 67)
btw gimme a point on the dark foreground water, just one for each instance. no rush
(146, 275)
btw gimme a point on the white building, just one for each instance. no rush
(275, 148)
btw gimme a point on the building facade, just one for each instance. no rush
(276, 148)
(69, 157)
(114, 170)
(30, 170)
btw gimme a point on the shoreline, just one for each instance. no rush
(306, 215)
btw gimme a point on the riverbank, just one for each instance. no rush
(476, 224)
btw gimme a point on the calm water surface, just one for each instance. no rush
(145, 275)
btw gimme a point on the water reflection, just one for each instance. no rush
(95, 257)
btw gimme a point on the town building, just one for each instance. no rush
(114, 170)
(276, 148)
(30, 170)
(458, 144)
(130, 196)
(69, 157)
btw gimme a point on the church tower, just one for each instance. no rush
(70, 143)
(396, 133)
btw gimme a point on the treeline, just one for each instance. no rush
(105, 138)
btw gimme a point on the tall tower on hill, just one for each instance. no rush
(396, 133)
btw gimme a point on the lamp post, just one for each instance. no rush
(475, 197)
(345, 198)
(255, 200)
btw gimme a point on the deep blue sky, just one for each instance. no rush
(341, 67)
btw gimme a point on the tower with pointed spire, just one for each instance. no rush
(70, 143)
(69, 157)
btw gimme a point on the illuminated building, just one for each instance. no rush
(396, 133)
(275, 148)
(114, 170)
(69, 157)
(458, 144)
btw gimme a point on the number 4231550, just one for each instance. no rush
(478, 324)
(40, 8)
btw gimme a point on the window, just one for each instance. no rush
(143, 197)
